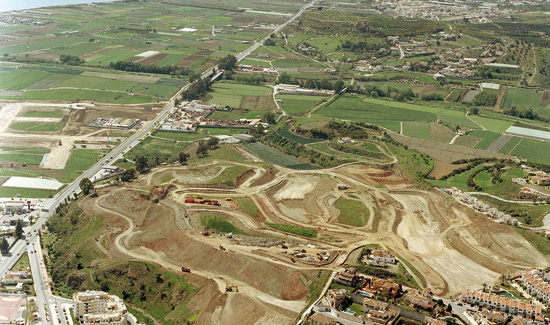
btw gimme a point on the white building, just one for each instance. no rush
(98, 307)
(384, 256)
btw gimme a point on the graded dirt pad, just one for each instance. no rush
(450, 246)
(446, 152)
(441, 169)
(297, 188)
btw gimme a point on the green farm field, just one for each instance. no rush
(522, 98)
(296, 105)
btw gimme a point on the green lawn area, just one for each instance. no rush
(533, 150)
(36, 126)
(31, 156)
(275, 157)
(26, 192)
(296, 105)
(57, 113)
(79, 161)
(412, 162)
(220, 224)
(459, 181)
(352, 212)
(522, 98)
(415, 129)
(487, 138)
(297, 230)
(357, 308)
(492, 124)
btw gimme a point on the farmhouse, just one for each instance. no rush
(384, 256)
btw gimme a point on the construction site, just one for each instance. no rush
(256, 246)
(58, 128)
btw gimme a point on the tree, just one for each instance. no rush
(194, 76)
(183, 157)
(141, 164)
(19, 229)
(338, 86)
(474, 110)
(4, 246)
(128, 175)
(269, 117)
(86, 185)
(284, 78)
(227, 63)
(202, 149)
(212, 142)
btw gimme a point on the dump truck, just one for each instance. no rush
(185, 269)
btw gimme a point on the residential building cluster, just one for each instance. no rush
(376, 312)
(537, 177)
(369, 293)
(504, 305)
(480, 206)
(17, 20)
(190, 115)
(439, 10)
(258, 68)
(534, 281)
(98, 307)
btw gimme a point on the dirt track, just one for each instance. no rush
(451, 247)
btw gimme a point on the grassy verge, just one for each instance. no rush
(306, 232)
(248, 206)
(220, 224)
(539, 241)
(26, 192)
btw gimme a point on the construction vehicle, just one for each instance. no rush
(60, 143)
(292, 259)
(185, 269)
(231, 288)
(222, 248)
(284, 246)
(320, 257)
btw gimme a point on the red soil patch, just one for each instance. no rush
(154, 59)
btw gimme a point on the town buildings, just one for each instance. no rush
(97, 307)
(502, 304)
